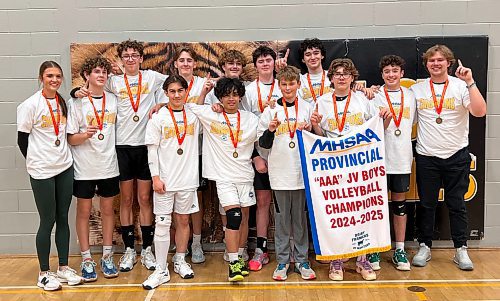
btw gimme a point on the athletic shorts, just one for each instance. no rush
(261, 180)
(398, 182)
(181, 202)
(133, 162)
(231, 194)
(86, 189)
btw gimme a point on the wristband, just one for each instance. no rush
(471, 85)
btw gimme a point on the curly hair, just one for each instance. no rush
(311, 44)
(348, 66)
(123, 46)
(391, 60)
(231, 56)
(92, 63)
(225, 86)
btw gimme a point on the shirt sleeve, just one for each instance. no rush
(159, 80)
(153, 131)
(25, 117)
(153, 160)
(72, 126)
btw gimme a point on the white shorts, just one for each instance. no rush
(182, 202)
(231, 194)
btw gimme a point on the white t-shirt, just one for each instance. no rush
(94, 159)
(44, 159)
(129, 132)
(218, 161)
(445, 139)
(179, 172)
(285, 171)
(398, 149)
(194, 93)
(305, 91)
(359, 111)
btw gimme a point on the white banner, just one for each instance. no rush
(346, 190)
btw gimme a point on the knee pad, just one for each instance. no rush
(398, 208)
(162, 227)
(233, 218)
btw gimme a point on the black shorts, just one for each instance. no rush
(203, 181)
(86, 189)
(261, 180)
(133, 162)
(398, 182)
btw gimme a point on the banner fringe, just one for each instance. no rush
(354, 254)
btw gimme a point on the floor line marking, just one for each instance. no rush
(150, 295)
(421, 296)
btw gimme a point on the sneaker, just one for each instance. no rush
(281, 271)
(225, 256)
(365, 269)
(128, 260)
(374, 260)
(243, 266)
(184, 270)
(462, 259)
(148, 259)
(108, 266)
(423, 255)
(336, 272)
(68, 275)
(235, 272)
(259, 259)
(48, 281)
(305, 271)
(156, 279)
(88, 270)
(245, 255)
(197, 255)
(400, 260)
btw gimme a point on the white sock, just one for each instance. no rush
(224, 228)
(196, 238)
(240, 251)
(361, 258)
(232, 257)
(400, 245)
(106, 250)
(161, 253)
(86, 254)
(179, 257)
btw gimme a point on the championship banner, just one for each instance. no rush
(346, 191)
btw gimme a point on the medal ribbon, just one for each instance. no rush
(135, 105)
(439, 107)
(340, 125)
(55, 122)
(191, 82)
(261, 106)
(292, 133)
(100, 121)
(235, 141)
(180, 138)
(311, 86)
(397, 120)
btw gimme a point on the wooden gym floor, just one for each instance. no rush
(440, 280)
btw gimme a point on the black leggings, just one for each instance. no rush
(53, 198)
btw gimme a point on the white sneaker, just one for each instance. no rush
(68, 275)
(148, 258)
(157, 278)
(462, 259)
(245, 255)
(127, 261)
(423, 255)
(48, 281)
(184, 269)
(197, 255)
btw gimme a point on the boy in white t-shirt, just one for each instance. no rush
(91, 134)
(228, 148)
(172, 140)
(277, 128)
(315, 82)
(400, 101)
(443, 160)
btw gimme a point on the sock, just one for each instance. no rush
(106, 250)
(179, 257)
(240, 251)
(161, 253)
(148, 233)
(232, 257)
(361, 258)
(400, 245)
(262, 243)
(128, 236)
(86, 255)
(224, 228)
(196, 238)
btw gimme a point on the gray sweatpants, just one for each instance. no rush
(291, 220)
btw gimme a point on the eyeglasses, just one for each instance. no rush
(339, 75)
(134, 57)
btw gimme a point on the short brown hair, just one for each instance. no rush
(231, 56)
(123, 46)
(348, 66)
(391, 60)
(187, 49)
(444, 50)
(289, 73)
(92, 63)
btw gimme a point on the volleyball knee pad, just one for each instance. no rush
(399, 208)
(233, 218)
(162, 227)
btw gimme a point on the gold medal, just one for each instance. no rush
(439, 120)
(397, 132)
(291, 144)
(180, 151)
(58, 142)
(235, 154)
(136, 118)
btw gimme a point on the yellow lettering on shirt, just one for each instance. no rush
(406, 112)
(448, 103)
(169, 131)
(351, 119)
(123, 93)
(47, 121)
(220, 129)
(109, 118)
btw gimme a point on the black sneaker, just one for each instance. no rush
(235, 271)
(243, 266)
